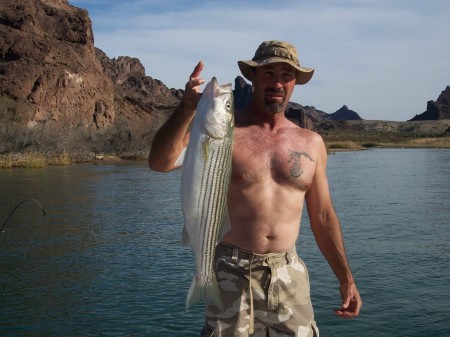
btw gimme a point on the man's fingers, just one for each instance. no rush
(349, 309)
(192, 86)
(345, 314)
(195, 82)
(194, 79)
(345, 304)
(197, 70)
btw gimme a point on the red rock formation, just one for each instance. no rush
(48, 62)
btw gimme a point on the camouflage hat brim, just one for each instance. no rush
(303, 75)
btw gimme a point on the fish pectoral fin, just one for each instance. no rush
(205, 147)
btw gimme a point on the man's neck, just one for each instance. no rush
(253, 115)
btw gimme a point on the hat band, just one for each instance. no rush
(265, 54)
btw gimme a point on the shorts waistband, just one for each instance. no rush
(236, 252)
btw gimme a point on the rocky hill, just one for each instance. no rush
(58, 93)
(344, 114)
(437, 110)
(53, 77)
(49, 70)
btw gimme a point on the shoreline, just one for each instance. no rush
(38, 160)
(35, 159)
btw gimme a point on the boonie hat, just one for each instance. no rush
(275, 52)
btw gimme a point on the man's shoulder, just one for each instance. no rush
(305, 132)
(310, 137)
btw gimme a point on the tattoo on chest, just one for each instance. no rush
(294, 159)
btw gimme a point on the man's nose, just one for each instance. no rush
(277, 81)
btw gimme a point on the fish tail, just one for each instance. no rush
(195, 293)
(213, 293)
(208, 290)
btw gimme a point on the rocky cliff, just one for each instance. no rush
(48, 66)
(436, 110)
(51, 74)
(61, 94)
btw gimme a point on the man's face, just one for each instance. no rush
(273, 86)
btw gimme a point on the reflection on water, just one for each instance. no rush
(106, 260)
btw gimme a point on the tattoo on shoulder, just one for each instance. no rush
(294, 158)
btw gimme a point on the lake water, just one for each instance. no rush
(106, 260)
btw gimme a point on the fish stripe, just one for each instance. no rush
(213, 204)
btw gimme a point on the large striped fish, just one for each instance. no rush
(204, 186)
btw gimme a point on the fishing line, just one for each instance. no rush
(5, 227)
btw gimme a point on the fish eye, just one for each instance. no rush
(228, 105)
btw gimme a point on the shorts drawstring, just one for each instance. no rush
(251, 328)
(234, 258)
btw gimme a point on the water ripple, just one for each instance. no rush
(107, 259)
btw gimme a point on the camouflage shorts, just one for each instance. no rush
(279, 303)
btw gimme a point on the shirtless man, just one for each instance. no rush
(276, 167)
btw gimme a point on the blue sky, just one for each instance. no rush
(382, 58)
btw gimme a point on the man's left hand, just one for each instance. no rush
(351, 301)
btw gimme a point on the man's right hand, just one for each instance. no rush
(173, 135)
(192, 89)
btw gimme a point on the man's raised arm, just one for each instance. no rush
(173, 136)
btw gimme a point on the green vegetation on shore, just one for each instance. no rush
(35, 159)
(21, 146)
(426, 142)
(354, 135)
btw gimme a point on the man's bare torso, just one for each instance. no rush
(272, 170)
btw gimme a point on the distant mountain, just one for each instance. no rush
(436, 110)
(306, 116)
(311, 118)
(344, 114)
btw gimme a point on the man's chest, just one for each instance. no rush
(283, 160)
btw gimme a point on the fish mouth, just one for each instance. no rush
(221, 89)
